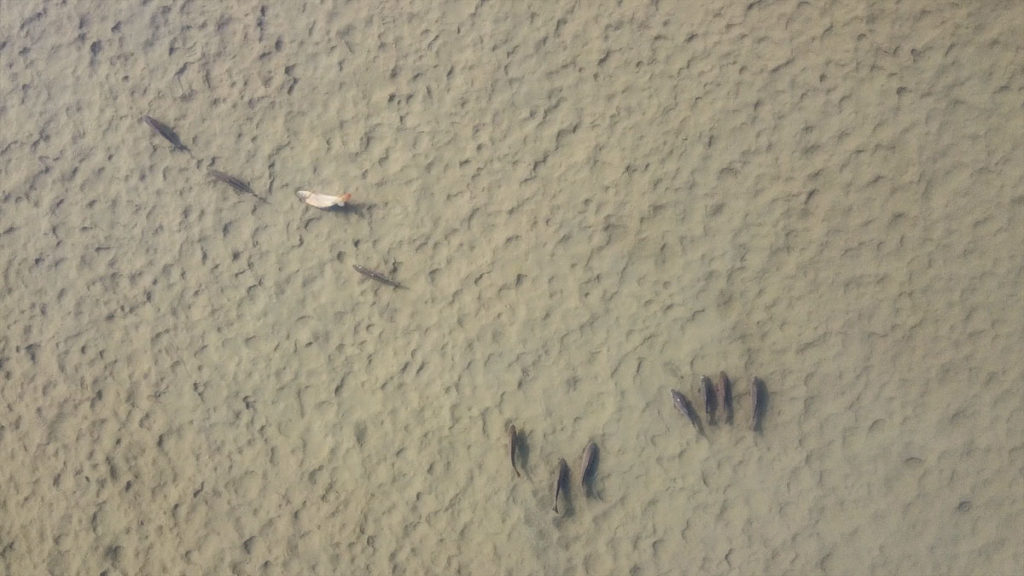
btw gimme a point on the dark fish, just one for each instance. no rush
(513, 443)
(588, 465)
(562, 484)
(723, 393)
(757, 399)
(707, 393)
(237, 183)
(165, 131)
(684, 406)
(376, 276)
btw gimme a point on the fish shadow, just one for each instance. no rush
(762, 400)
(523, 451)
(360, 209)
(566, 509)
(711, 403)
(695, 417)
(727, 410)
(587, 481)
(395, 286)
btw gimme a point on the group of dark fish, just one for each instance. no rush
(243, 187)
(236, 183)
(718, 395)
(715, 395)
(588, 467)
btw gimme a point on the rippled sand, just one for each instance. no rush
(588, 204)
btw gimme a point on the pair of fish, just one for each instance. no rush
(316, 199)
(588, 466)
(723, 397)
(717, 395)
(313, 199)
(239, 185)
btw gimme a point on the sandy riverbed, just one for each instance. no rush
(589, 203)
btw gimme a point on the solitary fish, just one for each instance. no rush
(563, 480)
(376, 276)
(165, 131)
(324, 201)
(238, 184)
(684, 406)
(588, 465)
(723, 392)
(757, 399)
(513, 443)
(707, 392)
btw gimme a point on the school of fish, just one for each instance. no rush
(717, 399)
(715, 395)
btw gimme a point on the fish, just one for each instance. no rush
(562, 483)
(166, 131)
(707, 393)
(588, 465)
(376, 276)
(757, 399)
(238, 184)
(320, 200)
(513, 443)
(723, 393)
(684, 406)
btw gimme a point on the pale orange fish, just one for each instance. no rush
(320, 200)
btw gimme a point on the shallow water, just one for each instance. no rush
(588, 204)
